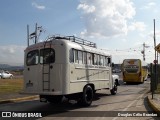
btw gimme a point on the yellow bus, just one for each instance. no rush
(134, 71)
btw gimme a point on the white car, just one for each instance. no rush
(5, 74)
(116, 79)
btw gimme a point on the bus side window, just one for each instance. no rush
(106, 61)
(109, 61)
(71, 55)
(84, 58)
(94, 59)
(89, 58)
(101, 60)
(80, 57)
(98, 60)
(76, 56)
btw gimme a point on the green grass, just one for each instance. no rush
(10, 85)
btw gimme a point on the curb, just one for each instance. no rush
(36, 97)
(153, 105)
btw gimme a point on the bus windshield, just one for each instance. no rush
(131, 68)
(132, 65)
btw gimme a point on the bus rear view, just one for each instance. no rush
(67, 67)
(132, 71)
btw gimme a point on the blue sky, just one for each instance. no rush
(118, 26)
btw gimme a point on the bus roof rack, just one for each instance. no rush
(74, 39)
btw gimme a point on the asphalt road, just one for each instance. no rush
(130, 100)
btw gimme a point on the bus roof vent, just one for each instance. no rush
(75, 39)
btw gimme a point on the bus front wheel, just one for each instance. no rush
(114, 90)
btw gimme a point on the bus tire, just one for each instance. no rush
(114, 90)
(87, 96)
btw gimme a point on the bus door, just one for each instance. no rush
(47, 58)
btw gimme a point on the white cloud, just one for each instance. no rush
(137, 26)
(12, 54)
(106, 18)
(40, 7)
(148, 5)
(86, 8)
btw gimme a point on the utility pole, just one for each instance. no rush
(28, 35)
(154, 82)
(143, 51)
(154, 40)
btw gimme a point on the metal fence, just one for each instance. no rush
(155, 78)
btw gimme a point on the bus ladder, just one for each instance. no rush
(44, 73)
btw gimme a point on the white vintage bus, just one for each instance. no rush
(67, 67)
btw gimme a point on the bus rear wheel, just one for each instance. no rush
(87, 96)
